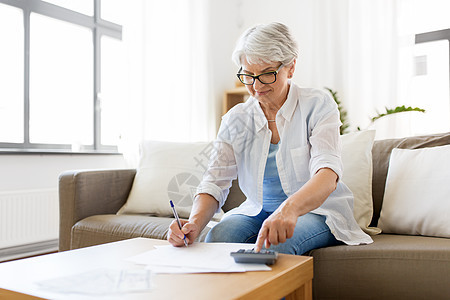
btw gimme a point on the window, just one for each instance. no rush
(11, 75)
(60, 80)
(425, 33)
(430, 86)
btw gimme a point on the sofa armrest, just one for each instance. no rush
(86, 193)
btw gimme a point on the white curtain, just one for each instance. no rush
(357, 47)
(379, 65)
(178, 102)
(170, 95)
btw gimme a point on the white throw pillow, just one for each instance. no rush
(417, 196)
(166, 171)
(357, 162)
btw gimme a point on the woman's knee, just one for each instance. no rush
(217, 234)
(234, 229)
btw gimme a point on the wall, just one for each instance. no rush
(32, 171)
(28, 192)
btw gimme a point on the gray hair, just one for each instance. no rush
(266, 43)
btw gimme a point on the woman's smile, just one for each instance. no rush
(261, 93)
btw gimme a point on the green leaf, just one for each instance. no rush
(398, 109)
(342, 113)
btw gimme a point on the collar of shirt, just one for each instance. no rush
(286, 111)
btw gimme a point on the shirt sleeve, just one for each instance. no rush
(222, 169)
(325, 138)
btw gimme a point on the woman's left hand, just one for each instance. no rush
(277, 228)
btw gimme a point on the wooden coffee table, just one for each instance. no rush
(291, 276)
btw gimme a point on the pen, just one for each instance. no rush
(178, 220)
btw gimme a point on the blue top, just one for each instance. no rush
(273, 194)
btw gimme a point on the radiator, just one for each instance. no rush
(28, 220)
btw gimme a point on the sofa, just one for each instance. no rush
(394, 266)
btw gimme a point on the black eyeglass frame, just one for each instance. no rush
(275, 73)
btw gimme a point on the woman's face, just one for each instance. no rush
(269, 93)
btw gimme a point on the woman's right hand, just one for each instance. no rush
(175, 236)
(202, 211)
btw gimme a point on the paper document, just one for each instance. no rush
(101, 281)
(197, 258)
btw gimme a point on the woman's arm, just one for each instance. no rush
(314, 193)
(204, 208)
(281, 224)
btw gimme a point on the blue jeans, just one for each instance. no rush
(310, 232)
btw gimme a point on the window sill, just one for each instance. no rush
(12, 151)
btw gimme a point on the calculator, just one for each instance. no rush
(249, 256)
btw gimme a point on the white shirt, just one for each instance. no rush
(308, 125)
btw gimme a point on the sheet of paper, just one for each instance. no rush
(184, 270)
(101, 281)
(197, 258)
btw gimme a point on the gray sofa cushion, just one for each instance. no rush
(393, 267)
(101, 229)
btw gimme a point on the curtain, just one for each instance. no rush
(177, 96)
(360, 52)
(170, 94)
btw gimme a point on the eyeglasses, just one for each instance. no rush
(264, 78)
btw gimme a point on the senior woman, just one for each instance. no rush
(283, 145)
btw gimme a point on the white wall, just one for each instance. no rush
(41, 171)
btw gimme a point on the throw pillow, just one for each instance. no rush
(416, 200)
(167, 170)
(357, 162)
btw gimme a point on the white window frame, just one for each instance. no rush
(433, 36)
(99, 28)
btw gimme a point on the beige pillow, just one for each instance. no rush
(357, 161)
(416, 200)
(166, 171)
